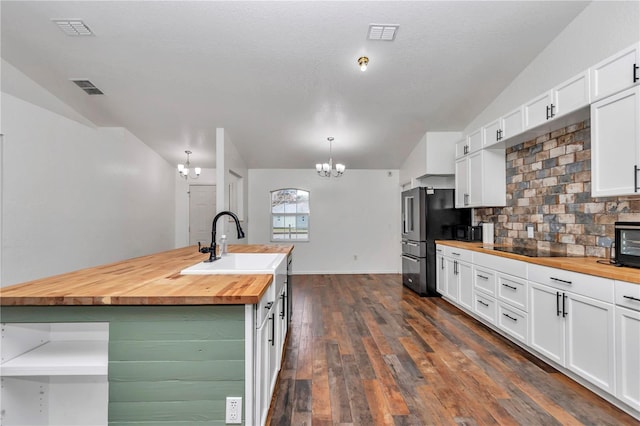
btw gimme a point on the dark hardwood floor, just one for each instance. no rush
(363, 350)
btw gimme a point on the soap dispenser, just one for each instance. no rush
(223, 245)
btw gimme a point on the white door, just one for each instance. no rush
(451, 268)
(537, 111)
(462, 182)
(615, 144)
(628, 356)
(202, 210)
(546, 321)
(590, 340)
(465, 275)
(441, 275)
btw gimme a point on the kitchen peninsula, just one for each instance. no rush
(162, 347)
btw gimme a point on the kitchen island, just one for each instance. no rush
(161, 347)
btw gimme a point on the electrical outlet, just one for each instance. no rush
(234, 410)
(529, 231)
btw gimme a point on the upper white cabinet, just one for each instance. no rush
(512, 123)
(615, 144)
(563, 99)
(433, 155)
(462, 148)
(615, 73)
(481, 179)
(474, 141)
(491, 133)
(570, 96)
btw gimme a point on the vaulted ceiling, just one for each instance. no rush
(281, 77)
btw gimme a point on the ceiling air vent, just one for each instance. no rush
(73, 27)
(88, 87)
(384, 32)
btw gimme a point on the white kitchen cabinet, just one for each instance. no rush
(462, 148)
(513, 321)
(512, 124)
(627, 344)
(458, 275)
(462, 182)
(481, 179)
(453, 289)
(485, 307)
(615, 144)
(484, 279)
(572, 322)
(538, 110)
(475, 141)
(441, 272)
(491, 133)
(54, 374)
(570, 95)
(617, 72)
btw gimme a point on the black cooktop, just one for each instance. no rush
(528, 251)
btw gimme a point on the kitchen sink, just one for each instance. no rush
(238, 263)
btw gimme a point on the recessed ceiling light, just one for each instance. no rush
(73, 27)
(383, 32)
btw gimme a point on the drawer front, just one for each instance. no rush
(485, 307)
(585, 285)
(513, 321)
(484, 280)
(513, 291)
(628, 295)
(513, 267)
(459, 254)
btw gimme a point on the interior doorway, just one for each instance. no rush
(202, 210)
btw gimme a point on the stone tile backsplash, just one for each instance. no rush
(549, 187)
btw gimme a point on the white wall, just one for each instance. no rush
(76, 196)
(207, 177)
(355, 215)
(602, 29)
(230, 165)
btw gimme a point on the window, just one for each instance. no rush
(290, 215)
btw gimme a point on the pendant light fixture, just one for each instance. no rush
(185, 169)
(326, 169)
(363, 62)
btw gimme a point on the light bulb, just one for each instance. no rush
(340, 168)
(185, 171)
(326, 167)
(180, 167)
(198, 171)
(318, 167)
(363, 61)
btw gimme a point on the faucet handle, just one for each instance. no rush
(203, 249)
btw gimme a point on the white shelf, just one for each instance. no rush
(59, 358)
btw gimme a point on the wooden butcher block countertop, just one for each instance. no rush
(584, 265)
(148, 280)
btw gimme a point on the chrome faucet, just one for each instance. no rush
(212, 248)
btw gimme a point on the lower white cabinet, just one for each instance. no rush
(441, 272)
(457, 274)
(627, 347)
(485, 307)
(513, 321)
(54, 374)
(574, 331)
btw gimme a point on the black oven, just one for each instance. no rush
(627, 237)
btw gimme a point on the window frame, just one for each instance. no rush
(272, 214)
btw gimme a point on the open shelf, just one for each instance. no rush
(56, 358)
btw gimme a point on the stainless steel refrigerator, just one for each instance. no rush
(427, 215)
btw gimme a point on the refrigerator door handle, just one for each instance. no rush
(414, 260)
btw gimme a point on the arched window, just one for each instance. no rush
(289, 215)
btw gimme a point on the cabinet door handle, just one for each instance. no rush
(498, 134)
(442, 263)
(486, 305)
(273, 329)
(510, 317)
(268, 305)
(561, 281)
(632, 298)
(553, 113)
(635, 73)
(482, 276)
(284, 299)
(455, 267)
(548, 112)
(466, 199)
(509, 286)
(635, 178)
(564, 311)
(558, 312)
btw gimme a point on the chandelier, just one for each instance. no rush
(326, 169)
(185, 169)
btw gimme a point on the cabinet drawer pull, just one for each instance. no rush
(510, 317)
(482, 276)
(455, 254)
(635, 73)
(486, 305)
(510, 286)
(632, 298)
(561, 281)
